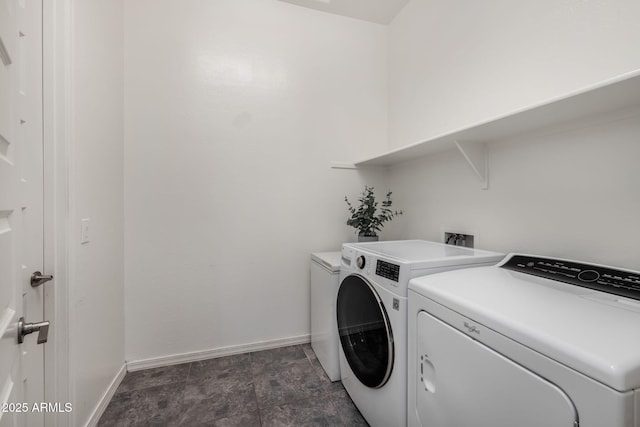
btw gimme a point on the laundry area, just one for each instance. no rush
(319, 212)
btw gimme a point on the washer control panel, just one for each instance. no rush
(388, 270)
(610, 280)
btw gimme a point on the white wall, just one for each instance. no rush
(570, 194)
(232, 118)
(454, 62)
(234, 110)
(96, 271)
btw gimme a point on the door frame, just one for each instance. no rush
(57, 135)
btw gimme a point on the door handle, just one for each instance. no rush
(27, 328)
(38, 278)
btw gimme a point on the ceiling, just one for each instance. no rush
(379, 11)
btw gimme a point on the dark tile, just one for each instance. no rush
(297, 381)
(236, 367)
(334, 389)
(156, 406)
(308, 350)
(276, 359)
(338, 391)
(210, 412)
(219, 388)
(308, 412)
(197, 413)
(279, 387)
(244, 420)
(348, 412)
(218, 399)
(153, 377)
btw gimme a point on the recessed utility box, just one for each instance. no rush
(458, 239)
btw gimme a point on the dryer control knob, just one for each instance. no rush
(360, 262)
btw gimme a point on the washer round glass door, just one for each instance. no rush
(365, 331)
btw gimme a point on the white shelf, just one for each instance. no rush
(620, 93)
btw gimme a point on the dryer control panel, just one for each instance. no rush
(613, 281)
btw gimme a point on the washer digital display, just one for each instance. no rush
(388, 270)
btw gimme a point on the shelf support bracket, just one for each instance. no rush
(477, 156)
(343, 165)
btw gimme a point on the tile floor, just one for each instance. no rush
(280, 387)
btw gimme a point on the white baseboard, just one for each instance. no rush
(106, 397)
(175, 359)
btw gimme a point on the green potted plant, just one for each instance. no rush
(366, 218)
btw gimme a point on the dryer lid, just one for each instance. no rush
(329, 260)
(592, 332)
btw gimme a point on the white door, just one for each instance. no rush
(462, 382)
(21, 209)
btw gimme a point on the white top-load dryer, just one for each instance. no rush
(372, 318)
(531, 342)
(325, 276)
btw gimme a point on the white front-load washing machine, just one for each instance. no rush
(531, 342)
(371, 313)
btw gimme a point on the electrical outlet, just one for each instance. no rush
(458, 239)
(84, 231)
